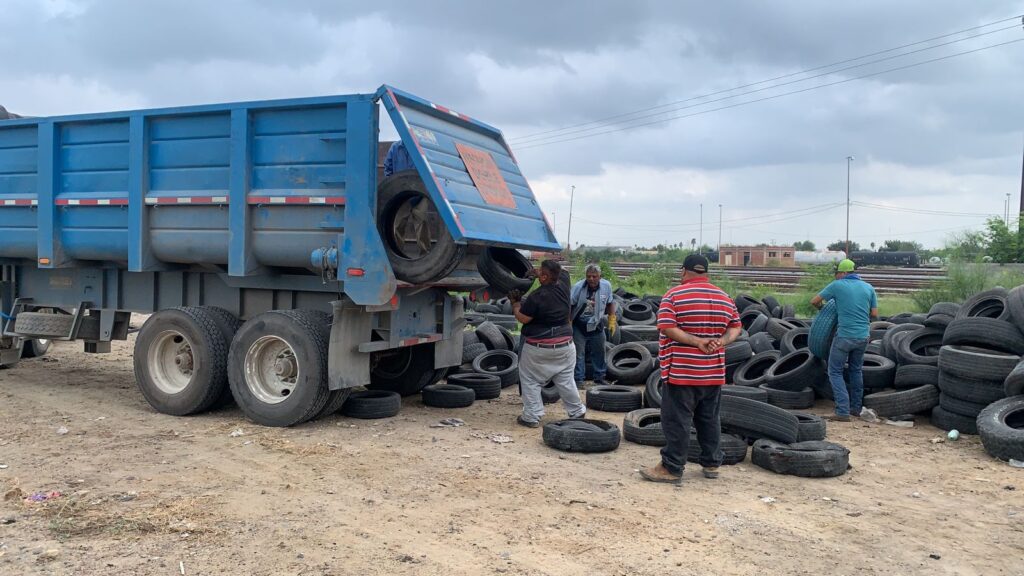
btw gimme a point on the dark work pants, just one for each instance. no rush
(681, 408)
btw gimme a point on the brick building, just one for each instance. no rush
(757, 256)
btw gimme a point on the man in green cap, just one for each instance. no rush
(856, 307)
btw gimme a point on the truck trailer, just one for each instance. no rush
(277, 268)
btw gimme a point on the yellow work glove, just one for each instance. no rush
(611, 323)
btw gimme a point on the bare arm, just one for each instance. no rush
(730, 336)
(681, 336)
(522, 318)
(874, 314)
(817, 301)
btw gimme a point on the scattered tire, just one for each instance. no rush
(920, 347)
(914, 375)
(629, 363)
(484, 386)
(985, 333)
(372, 404)
(760, 342)
(505, 269)
(944, 308)
(789, 399)
(819, 340)
(890, 342)
(613, 398)
(813, 459)
(652, 389)
(752, 372)
(976, 363)
(788, 311)
(403, 198)
(970, 389)
(638, 334)
(738, 351)
(1001, 427)
(1014, 383)
(745, 392)
(796, 339)
(778, 328)
(448, 396)
(987, 304)
(944, 420)
(1015, 306)
(405, 370)
(753, 419)
(939, 321)
(549, 393)
(758, 324)
(896, 402)
(734, 449)
(581, 435)
(487, 332)
(501, 363)
(487, 309)
(770, 302)
(961, 407)
(640, 310)
(643, 426)
(794, 371)
(879, 372)
(811, 427)
(471, 351)
(36, 348)
(745, 300)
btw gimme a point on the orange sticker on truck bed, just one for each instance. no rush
(486, 176)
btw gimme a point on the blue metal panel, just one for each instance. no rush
(240, 258)
(299, 152)
(19, 159)
(50, 253)
(140, 255)
(431, 133)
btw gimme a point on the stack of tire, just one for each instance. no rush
(498, 312)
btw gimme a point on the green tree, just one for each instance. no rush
(841, 245)
(901, 246)
(967, 246)
(1003, 245)
(804, 246)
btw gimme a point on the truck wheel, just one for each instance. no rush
(181, 361)
(35, 348)
(405, 370)
(417, 242)
(228, 324)
(505, 269)
(277, 367)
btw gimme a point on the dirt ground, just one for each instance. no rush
(144, 493)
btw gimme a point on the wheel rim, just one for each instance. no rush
(171, 362)
(271, 369)
(413, 226)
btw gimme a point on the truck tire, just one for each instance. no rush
(613, 398)
(501, 363)
(812, 427)
(416, 240)
(944, 420)
(985, 333)
(35, 348)
(581, 435)
(643, 426)
(43, 324)
(813, 459)
(629, 363)
(406, 370)
(448, 396)
(897, 402)
(753, 419)
(652, 389)
(277, 367)
(823, 328)
(372, 404)
(1001, 427)
(485, 386)
(976, 363)
(505, 269)
(180, 361)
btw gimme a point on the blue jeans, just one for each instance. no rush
(596, 341)
(847, 351)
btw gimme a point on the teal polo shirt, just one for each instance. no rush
(854, 300)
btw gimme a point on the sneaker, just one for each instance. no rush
(660, 474)
(578, 416)
(710, 472)
(524, 422)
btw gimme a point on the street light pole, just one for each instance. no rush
(700, 246)
(849, 160)
(568, 236)
(719, 234)
(1006, 211)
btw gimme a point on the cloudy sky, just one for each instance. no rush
(937, 146)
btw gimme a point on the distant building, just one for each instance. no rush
(757, 256)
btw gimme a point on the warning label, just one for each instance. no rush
(486, 176)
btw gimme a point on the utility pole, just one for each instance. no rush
(554, 222)
(719, 234)
(1022, 184)
(1006, 211)
(568, 237)
(849, 160)
(700, 247)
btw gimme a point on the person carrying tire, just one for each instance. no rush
(548, 353)
(696, 321)
(856, 306)
(592, 310)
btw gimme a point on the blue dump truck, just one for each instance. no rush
(277, 267)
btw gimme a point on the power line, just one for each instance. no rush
(522, 139)
(924, 211)
(774, 96)
(670, 227)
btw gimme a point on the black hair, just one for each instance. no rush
(552, 267)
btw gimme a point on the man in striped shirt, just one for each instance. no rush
(696, 321)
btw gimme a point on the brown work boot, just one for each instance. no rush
(660, 474)
(710, 472)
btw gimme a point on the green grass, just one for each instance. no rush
(963, 281)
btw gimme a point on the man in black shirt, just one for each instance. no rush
(548, 353)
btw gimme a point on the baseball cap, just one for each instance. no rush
(845, 266)
(696, 263)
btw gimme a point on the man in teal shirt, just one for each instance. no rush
(856, 306)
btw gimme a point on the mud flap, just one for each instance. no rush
(347, 367)
(448, 352)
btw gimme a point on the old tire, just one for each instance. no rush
(581, 435)
(753, 372)
(812, 459)
(794, 372)
(879, 372)
(613, 398)
(652, 389)
(897, 402)
(45, 325)
(890, 342)
(643, 426)
(505, 269)
(752, 393)
(501, 363)
(760, 342)
(987, 304)
(448, 396)
(971, 389)
(1001, 427)
(629, 363)
(789, 399)
(914, 375)
(811, 427)
(36, 348)
(945, 420)
(920, 347)
(181, 360)
(471, 351)
(1013, 385)
(753, 419)
(404, 370)
(549, 393)
(738, 351)
(985, 333)
(796, 339)
(823, 328)
(484, 386)
(277, 367)
(961, 407)
(976, 363)
(734, 449)
(372, 404)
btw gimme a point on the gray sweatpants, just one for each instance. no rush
(537, 367)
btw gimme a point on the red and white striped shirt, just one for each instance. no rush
(702, 309)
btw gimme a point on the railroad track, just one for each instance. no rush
(783, 279)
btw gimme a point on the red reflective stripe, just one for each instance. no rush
(355, 272)
(333, 200)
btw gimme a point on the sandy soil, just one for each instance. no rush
(144, 493)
